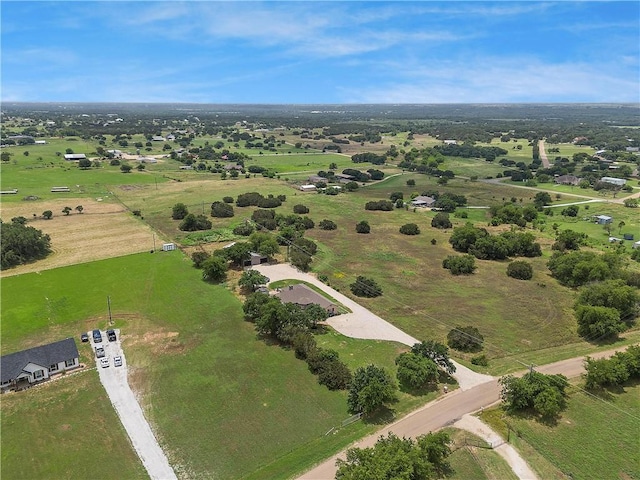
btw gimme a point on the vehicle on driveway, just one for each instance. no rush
(117, 361)
(97, 336)
(84, 337)
(104, 362)
(111, 335)
(100, 352)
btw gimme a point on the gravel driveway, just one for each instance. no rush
(362, 323)
(114, 380)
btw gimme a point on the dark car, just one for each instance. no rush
(84, 337)
(100, 352)
(97, 336)
(111, 335)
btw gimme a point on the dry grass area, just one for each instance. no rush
(103, 230)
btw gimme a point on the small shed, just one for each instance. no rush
(636, 244)
(255, 259)
(167, 247)
(308, 188)
(74, 157)
(603, 219)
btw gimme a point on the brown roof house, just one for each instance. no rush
(27, 367)
(303, 296)
(567, 180)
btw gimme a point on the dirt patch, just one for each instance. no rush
(102, 230)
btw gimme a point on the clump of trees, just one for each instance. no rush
(214, 269)
(465, 339)
(258, 200)
(363, 227)
(192, 223)
(510, 213)
(613, 371)
(251, 279)
(21, 244)
(327, 225)
(479, 243)
(221, 209)
(384, 205)
(179, 211)
(437, 352)
(520, 270)
(574, 269)
(371, 388)
(460, 264)
(416, 371)
(373, 158)
(441, 220)
(244, 229)
(410, 229)
(543, 394)
(300, 209)
(569, 240)
(392, 457)
(365, 287)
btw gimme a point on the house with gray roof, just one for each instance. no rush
(423, 201)
(74, 157)
(304, 296)
(23, 369)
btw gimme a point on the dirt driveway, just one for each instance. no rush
(362, 323)
(114, 380)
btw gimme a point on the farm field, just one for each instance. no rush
(612, 451)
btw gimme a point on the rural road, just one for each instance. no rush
(543, 155)
(114, 380)
(361, 323)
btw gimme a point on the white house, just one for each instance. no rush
(74, 157)
(27, 367)
(308, 188)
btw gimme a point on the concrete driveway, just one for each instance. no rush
(114, 380)
(362, 323)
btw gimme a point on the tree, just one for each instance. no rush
(363, 227)
(79, 209)
(327, 225)
(604, 372)
(5, 156)
(365, 287)
(570, 211)
(460, 264)
(520, 269)
(20, 243)
(465, 339)
(597, 323)
(300, 209)
(124, 168)
(441, 220)
(437, 352)
(47, 214)
(250, 279)
(300, 259)
(410, 229)
(179, 211)
(67, 210)
(395, 458)
(541, 199)
(371, 388)
(569, 240)
(415, 371)
(621, 226)
(394, 196)
(214, 269)
(198, 258)
(411, 183)
(544, 394)
(192, 223)
(221, 209)
(84, 163)
(611, 293)
(264, 244)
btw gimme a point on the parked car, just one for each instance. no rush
(111, 335)
(84, 337)
(97, 336)
(100, 352)
(104, 362)
(117, 361)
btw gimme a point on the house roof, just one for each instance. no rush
(44, 355)
(422, 199)
(302, 295)
(74, 156)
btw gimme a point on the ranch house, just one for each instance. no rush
(74, 157)
(423, 201)
(303, 296)
(25, 368)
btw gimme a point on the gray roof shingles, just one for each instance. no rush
(45, 355)
(303, 295)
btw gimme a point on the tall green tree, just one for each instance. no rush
(214, 269)
(371, 388)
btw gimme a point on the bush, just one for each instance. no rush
(384, 205)
(465, 339)
(222, 210)
(460, 264)
(269, 202)
(192, 223)
(199, 258)
(245, 230)
(300, 209)
(410, 229)
(411, 183)
(520, 270)
(179, 211)
(363, 227)
(441, 220)
(480, 360)
(365, 287)
(227, 199)
(327, 225)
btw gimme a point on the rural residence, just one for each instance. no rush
(304, 296)
(567, 180)
(423, 201)
(74, 157)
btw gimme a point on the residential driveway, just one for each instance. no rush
(362, 323)
(114, 380)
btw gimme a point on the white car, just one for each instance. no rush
(104, 362)
(117, 361)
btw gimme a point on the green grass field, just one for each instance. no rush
(592, 438)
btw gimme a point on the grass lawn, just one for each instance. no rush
(65, 429)
(613, 447)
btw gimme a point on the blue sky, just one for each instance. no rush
(320, 52)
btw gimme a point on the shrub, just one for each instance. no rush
(365, 287)
(327, 225)
(396, 196)
(465, 339)
(220, 209)
(269, 202)
(192, 223)
(227, 199)
(460, 264)
(411, 183)
(199, 258)
(363, 227)
(441, 220)
(480, 360)
(300, 209)
(520, 270)
(410, 229)
(179, 211)
(384, 205)
(245, 230)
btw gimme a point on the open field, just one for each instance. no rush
(613, 449)
(102, 230)
(65, 429)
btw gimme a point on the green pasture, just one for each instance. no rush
(595, 437)
(469, 167)
(310, 163)
(65, 429)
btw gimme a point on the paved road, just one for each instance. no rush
(445, 411)
(114, 380)
(361, 323)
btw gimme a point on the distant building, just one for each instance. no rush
(620, 182)
(74, 157)
(40, 142)
(308, 188)
(304, 296)
(603, 219)
(567, 180)
(450, 142)
(423, 201)
(158, 138)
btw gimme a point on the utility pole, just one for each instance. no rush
(154, 242)
(109, 308)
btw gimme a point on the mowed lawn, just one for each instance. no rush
(223, 402)
(65, 429)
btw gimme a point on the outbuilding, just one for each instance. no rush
(167, 247)
(603, 219)
(308, 188)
